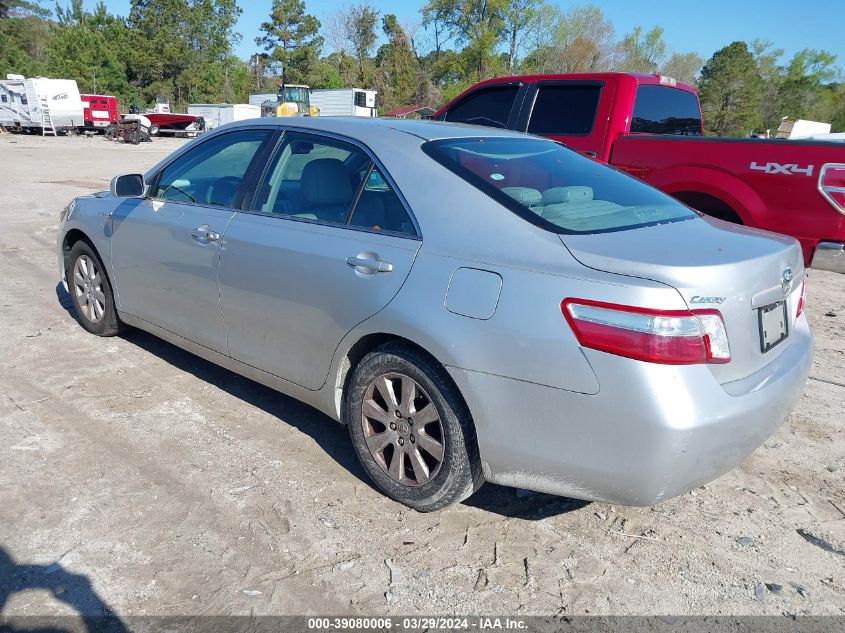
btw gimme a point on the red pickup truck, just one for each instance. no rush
(650, 126)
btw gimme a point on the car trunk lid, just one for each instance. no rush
(713, 265)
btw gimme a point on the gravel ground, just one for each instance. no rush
(153, 482)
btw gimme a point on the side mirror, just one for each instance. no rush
(128, 186)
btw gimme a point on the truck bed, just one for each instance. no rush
(771, 183)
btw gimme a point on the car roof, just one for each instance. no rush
(364, 127)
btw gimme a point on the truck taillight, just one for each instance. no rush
(832, 185)
(669, 337)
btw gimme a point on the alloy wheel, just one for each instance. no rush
(402, 429)
(88, 286)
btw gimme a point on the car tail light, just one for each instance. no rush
(800, 308)
(669, 337)
(832, 185)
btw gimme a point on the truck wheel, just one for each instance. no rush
(411, 430)
(90, 291)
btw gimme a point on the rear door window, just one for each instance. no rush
(564, 109)
(313, 178)
(487, 106)
(379, 208)
(664, 110)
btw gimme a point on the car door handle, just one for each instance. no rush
(205, 233)
(372, 264)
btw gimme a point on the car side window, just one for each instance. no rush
(379, 208)
(313, 178)
(565, 109)
(486, 106)
(212, 172)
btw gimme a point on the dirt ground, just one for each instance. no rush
(137, 478)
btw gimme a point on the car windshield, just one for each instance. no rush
(554, 187)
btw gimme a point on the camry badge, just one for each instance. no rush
(786, 284)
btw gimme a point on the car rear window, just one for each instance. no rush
(554, 187)
(664, 110)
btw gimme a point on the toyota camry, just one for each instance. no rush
(473, 304)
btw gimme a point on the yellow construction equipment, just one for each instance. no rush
(291, 100)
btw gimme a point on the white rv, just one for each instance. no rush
(345, 102)
(40, 103)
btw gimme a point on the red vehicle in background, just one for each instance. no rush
(650, 126)
(99, 111)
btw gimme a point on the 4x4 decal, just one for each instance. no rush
(777, 168)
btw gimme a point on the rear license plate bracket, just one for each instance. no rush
(773, 324)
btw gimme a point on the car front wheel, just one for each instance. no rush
(90, 291)
(411, 430)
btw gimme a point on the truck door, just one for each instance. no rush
(573, 112)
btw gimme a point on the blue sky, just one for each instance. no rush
(703, 27)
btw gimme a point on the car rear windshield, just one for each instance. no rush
(554, 187)
(664, 110)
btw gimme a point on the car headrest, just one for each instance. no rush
(326, 181)
(557, 195)
(524, 195)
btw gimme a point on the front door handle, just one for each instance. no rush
(371, 264)
(205, 233)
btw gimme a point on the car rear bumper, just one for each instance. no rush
(651, 433)
(829, 256)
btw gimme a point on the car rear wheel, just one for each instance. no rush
(411, 430)
(91, 292)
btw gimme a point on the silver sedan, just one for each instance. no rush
(473, 304)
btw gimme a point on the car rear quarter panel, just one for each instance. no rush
(527, 337)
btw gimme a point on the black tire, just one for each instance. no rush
(458, 473)
(108, 323)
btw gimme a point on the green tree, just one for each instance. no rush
(731, 91)
(361, 32)
(805, 76)
(580, 40)
(683, 67)
(181, 50)
(292, 39)
(771, 79)
(643, 53)
(90, 47)
(520, 17)
(23, 35)
(398, 68)
(21, 8)
(477, 24)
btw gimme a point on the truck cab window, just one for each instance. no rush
(564, 110)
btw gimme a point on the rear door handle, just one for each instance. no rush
(205, 233)
(373, 264)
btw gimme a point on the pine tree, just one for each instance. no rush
(730, 91)
(292, 39)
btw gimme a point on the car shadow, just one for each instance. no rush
(327, 433)
(74, 590)
(514, 503)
